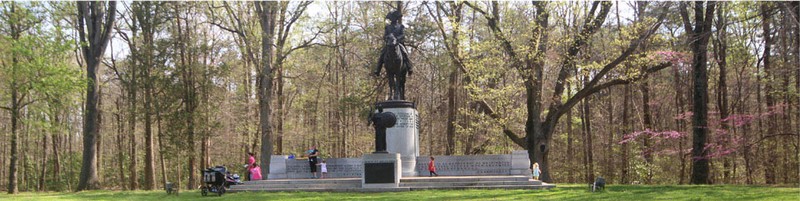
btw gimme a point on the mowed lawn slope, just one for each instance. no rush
(562, 192)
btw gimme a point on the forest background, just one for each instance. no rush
(130, 95)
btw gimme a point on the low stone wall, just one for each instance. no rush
(285, 168)
(516, 163)
(505, 164)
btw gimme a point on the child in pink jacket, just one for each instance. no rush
(255, 173)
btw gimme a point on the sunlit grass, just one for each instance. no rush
(562, 192)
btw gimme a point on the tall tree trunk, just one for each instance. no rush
(609, 159)
(279, 54)
(626, 129)
(537, 132)
(266, 12)
(679, 122)
(699, 36)
(25, 150)
(785, 116)
(452, 106)
(149, 161)
(43, 164)
(161, 149)
(570, 152)
(3, 145)
(647, 151)
(94, 39)
(120, 149)
(769, 167)
(56, 173)
(721, 52)
(280, 112)
(189, 95)
(587, 142)
(796, 10)
(15, 109)
(133, 179)
(147, 16)
(56, 176)
(12, 167)
(99, 137)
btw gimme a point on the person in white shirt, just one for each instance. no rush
(323, 169)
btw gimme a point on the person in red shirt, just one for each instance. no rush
(432, 167)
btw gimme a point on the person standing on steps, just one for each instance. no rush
(312, 160)
(535, 171)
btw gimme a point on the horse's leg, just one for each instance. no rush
(397, 92)
(392, 86)
(397, 88)
(401, 79)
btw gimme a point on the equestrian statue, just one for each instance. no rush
(394, 57)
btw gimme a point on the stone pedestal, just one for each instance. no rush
(277, 167)
(403, 137)
(381, 170)
(520, 163)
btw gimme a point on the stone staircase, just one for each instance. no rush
(472, 182)
(333, 184)
(406, 184)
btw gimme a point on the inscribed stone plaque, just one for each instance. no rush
(378, 173)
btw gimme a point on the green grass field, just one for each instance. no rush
(562, 192)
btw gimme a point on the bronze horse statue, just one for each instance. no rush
(394, 57)
(396, 68)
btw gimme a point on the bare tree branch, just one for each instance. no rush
(589, 90)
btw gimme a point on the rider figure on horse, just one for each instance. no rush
(395, 29)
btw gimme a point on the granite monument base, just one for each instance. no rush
(403, 137)
(381, 170)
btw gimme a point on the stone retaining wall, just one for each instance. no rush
(516, 163)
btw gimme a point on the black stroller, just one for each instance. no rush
(214, 181)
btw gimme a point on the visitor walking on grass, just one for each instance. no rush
(312, 160)
(535, 171)
(432, 167)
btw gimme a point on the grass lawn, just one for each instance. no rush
(562, 192)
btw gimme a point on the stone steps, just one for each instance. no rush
(510, 187)
(357, 189)
(299, 184)
(473, 183)
(464, 182)
(464, 178)
(356, 185)
(406, 184)
(307, 181)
